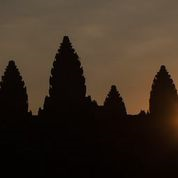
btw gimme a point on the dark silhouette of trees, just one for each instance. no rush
(114, 103)
(163, 97)
(13, 95)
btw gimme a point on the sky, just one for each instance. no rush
(121, 42)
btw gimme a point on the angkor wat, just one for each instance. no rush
(73, 136)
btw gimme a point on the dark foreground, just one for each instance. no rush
(131, 147)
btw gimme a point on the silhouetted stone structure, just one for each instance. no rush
(163, 97)
(114, 103)
(68, 115)
(13, 95)
(74, 137)
(67, 84)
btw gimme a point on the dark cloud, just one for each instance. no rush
(119, 41)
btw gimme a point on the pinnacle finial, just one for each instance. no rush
(66, 39)
(11, 62)
(163, 67)
(113, 87)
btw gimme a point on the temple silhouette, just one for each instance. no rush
(73, 136)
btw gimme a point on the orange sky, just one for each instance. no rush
(120, 42)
